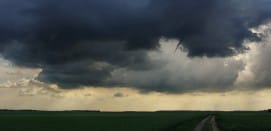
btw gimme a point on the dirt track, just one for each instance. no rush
(214, 125)
(200, 125)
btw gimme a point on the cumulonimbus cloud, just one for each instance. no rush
(82, 42)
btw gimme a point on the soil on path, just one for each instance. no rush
(201, 124)
(214, 125)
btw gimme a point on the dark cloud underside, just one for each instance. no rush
(81, 42)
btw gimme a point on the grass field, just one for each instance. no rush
(244, 121)
(131, 121)
(98, 121)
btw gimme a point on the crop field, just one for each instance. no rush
(98, 121)
(244, 121)
(133, 121)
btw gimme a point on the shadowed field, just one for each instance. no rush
(244, 121)
(98, 121)
(133, 121)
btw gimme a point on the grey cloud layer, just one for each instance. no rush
(180, 73)
(83, 42)
(257, 70)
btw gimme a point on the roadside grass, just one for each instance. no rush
(207, 126)
(244, 121)
(189, 125)
(98, 121)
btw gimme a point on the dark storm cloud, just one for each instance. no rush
(70, 39)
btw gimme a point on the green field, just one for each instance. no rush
(131, 121)
(98, 121)
(244, 121)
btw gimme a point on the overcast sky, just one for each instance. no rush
(135, 55)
